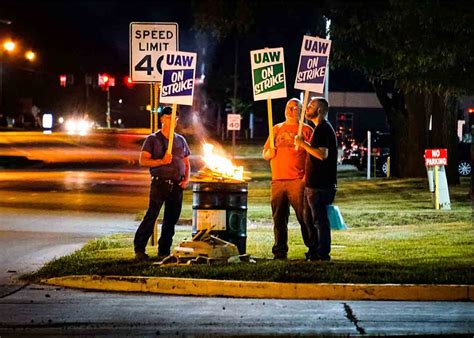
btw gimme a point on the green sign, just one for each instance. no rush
(268, 73)
(269, 78)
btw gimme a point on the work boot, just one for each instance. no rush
(141, 256)
(317, 258)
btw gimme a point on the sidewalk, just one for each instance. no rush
(250, 289)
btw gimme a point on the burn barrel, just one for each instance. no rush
(222, 206)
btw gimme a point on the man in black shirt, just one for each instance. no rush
(320, 178)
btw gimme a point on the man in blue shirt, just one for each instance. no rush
(169, 177)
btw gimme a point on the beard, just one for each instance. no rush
(311, 114)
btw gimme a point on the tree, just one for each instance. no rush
(224, 20)
(418, 55)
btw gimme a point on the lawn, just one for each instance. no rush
(395, 236)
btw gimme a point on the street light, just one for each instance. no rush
(30, 55)
(9, 46)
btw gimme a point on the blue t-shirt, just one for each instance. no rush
(156, 144)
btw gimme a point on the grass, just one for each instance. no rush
(395, 237)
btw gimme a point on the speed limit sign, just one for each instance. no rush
(233, 121)
(149, 41)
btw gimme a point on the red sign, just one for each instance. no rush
(62, 80)
(106, 81)
(435, 157)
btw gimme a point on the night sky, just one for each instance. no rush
(92, 35)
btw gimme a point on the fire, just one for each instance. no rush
(221, 165)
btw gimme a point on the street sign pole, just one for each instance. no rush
(436, 180)
(369, 153)
(233, 144)
(107, 117)
(152, 104)
(156, 101)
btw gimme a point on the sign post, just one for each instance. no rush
(435, 160)
(178, 84)
(312, 69)
(268, 79)
(233, 123)
(149, 41)
(369, 152)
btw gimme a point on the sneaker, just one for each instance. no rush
(141, 256)
(159, 258)
(318, 259)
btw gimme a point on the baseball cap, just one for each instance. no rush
(167, 111)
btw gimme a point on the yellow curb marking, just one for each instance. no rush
(250, 289)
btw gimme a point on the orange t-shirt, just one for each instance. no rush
(288, 163)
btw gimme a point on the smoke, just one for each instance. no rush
(195, 128)
(200, 121)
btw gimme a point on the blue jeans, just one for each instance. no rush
(283, 194)
(172, 196)
(319, 229)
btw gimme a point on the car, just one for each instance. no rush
(356, 153)
(464, 165)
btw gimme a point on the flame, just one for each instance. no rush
(220, 164)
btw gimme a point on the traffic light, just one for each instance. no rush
(344, 126)
(62, 80)
(106, 81)
(103, 80)
(127, 80)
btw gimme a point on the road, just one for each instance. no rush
(116, 191)
(49, 213)
(56, 311)
(29, 238)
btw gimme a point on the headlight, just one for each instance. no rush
(78, 127)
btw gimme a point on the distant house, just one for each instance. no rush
(353, 113)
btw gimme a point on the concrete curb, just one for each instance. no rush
(247, 289)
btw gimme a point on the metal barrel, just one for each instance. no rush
(222, 206)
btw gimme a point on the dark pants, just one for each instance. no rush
(319, 229)
(286, 193)
(172, 196)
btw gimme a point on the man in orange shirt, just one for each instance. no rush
(288, 170)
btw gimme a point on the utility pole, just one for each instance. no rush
(326, 83)
(108, 107)
(5, 22)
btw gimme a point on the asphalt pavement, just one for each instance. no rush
(44, 310)
(30, 238)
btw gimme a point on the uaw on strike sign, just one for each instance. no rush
(268, 73)
(312, 65)
(436, 157)
(178, 78)
(149, 41)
